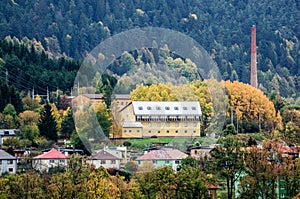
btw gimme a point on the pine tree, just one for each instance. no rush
(47, 124)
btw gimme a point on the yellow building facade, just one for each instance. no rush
(141, 119)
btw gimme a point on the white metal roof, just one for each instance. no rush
(167, 108)
(132, 125)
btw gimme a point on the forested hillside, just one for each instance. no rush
(222, 27)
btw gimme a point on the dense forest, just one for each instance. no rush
(222, 27)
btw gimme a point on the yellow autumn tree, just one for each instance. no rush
(250, 104)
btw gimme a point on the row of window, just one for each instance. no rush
(167, 131)
(106, 161)
(52, 161)
(185, 124)
(8, 162)
(167, 118)
(176, 108)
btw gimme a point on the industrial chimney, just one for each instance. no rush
(253, 78)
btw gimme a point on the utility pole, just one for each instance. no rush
(253, 77)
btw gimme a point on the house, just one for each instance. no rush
(50, 159)
(7, 133)
(8, 163)
(120, 152)
(201, 152)
(84, 99)
(105, 159)
(119, 101)
(162, 157)
(141, 119)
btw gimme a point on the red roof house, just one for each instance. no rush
(50, 159)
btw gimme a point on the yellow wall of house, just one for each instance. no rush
(132, 132)
(171, 129)
(127, 114)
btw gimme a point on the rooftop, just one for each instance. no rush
(103, 155)
(163, 154)
(52, 154)
(6, 156)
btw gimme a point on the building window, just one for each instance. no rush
(193, 108)
(154, 161)
(62, 161)
(158, 108)
(167, 161)
(125, 131)
(122, 103)
(176, 131)
(185, 131)
(103, 161)
(9, 161)
(185, 124)
(168, 131)
(167, 108)
(51, 161)
(185, 108)
(113, 161)
(177, 124)
(137, 131)
(140, 108)
(0, 162)
(149, 131)
(149, 124)
(194, 131)
(168, 124)
(158, 124)
(10, 170)
(176, 108)
(129, 131)
(176, 161)
(158, 131)
(149, 108)
(195, 124)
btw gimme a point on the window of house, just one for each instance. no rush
(122, 103)
(129, 131)
(149, 108)
(125, 131)
(194, 131)
(168, 124)
(62, 161)
(149, 131)
(167, 161)
(113, 161)
(168, 131)
(103, 161)
(177, 124)
(158, 124)
(185, 131)
(176, 131)
(195, 124)
(137, 131)
(185, 108)
(140, 108)
(176, 161)
(0, 162)
(6, 132)
(9, 161)
(193, 108)
(158, 131)
(176, 108)
(185, 124)
(167, 108)
(51, 161)
(10, 170)
(158, 108)
(154, 161)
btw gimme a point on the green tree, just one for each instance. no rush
(47, 124)
(68, 125)
(228, 162)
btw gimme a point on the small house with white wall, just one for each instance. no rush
(8, 163)
(50, 159)
(105, 159)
